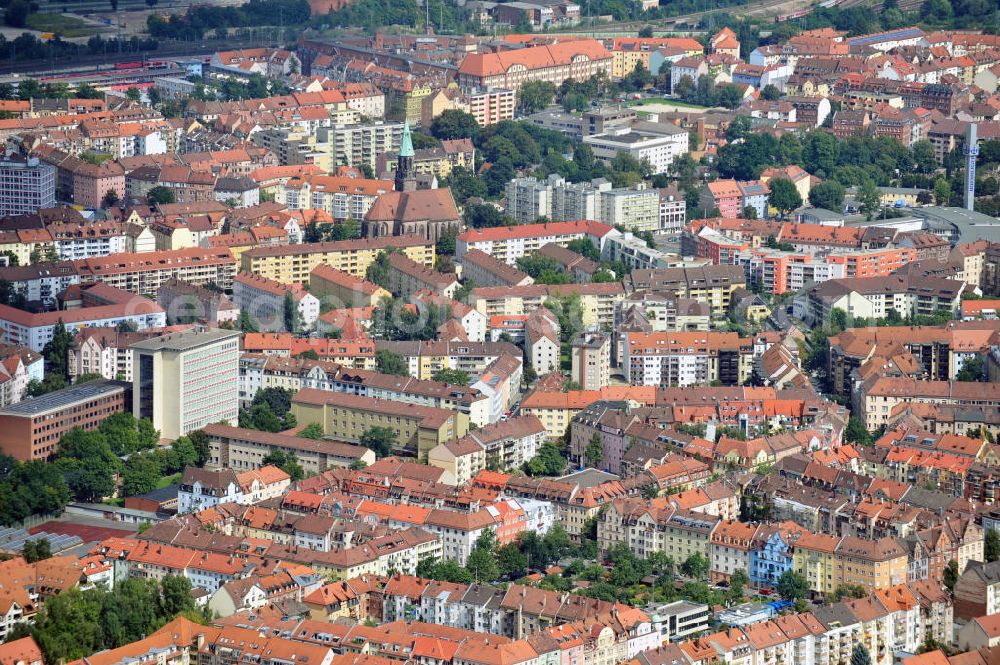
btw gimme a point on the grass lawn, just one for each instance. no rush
(66, 26)
(168, 480)
(664, 100)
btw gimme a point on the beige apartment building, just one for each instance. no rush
(591, 360)
(292, 264)
(187, 380)
(348, 417)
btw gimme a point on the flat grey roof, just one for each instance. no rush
(61, 399)
(589, 477)
(184, 341)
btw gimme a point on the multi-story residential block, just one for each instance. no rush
(31, 429)
(712, 285)
(657, 143)
(341, 196)
(482, 269)
(293, 264)
(427, 357)
(590, 354)
(673, 211)
(680, 359)
(145, 273)
(26, 186)
(261, 372)
(205, 488)
(42, 282)
(502, 445)
(358, 351)
(508, 244)
(185, 302)
(406, 277)
(731, 198)
(509, 69)
(184, 381)
(339, 289)
(880, 397)
(102, 305)
(597, 300)
(243, 449)
(359, 144)
(873, 297)
(941, 351)
(266, 301)
(418, 428)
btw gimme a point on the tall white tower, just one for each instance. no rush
(971, 151)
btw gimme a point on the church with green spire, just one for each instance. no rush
(408, 211)
(404, 162)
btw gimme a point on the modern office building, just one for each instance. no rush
(31, 430)
(26, 186)
(184, 381)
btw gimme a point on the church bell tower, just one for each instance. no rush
(404, 163)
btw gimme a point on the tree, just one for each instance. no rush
(646, 31)
(792, 585)
(870, 199)
(454, 124)
(290, 313)
(511, 561)
(287, 462)
(56, 350)
(856, 432)
(247, 323)
(696, 566)
(483, 215)
(17, 12)
(828, 195)
(924, 157)
(951, 575)
(860, 655)
(133, 94)
(595, 450)
(548, 461)
(110, 199)
(202, 447)
(141, 473)
(312, 431)
(942, 192)
(534, 96)
(482, 561)
(36, 550)
(737, 583)
(381, 440)
(390, 362)
(160, 195)
(991, 545)
(972, 370)
(770, 93)
(784, 196)
(455, 377)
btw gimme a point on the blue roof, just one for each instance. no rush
(903, 33)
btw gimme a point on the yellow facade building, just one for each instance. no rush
(292, 264)
(418, 429)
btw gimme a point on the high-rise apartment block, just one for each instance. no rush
(186, 380)
(26, 186)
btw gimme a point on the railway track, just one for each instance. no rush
(85, 61)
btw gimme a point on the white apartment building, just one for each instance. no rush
(635, 208)
(264, 300)
(658, 143)
(508, 244)
(184, 381)
(355, 145)
(26, 186)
